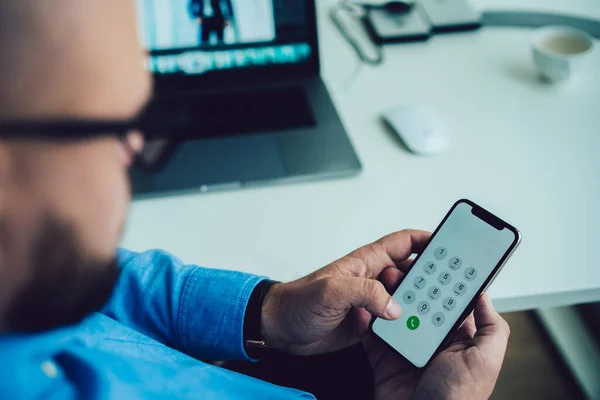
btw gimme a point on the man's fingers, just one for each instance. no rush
(390, 277)
(365, 293)
(487, 318)
(466, 331)
(376, 350)
(401, 245)
(389, 251)
(362, 320)
(405, 265)
(492, 330)
(386, 363)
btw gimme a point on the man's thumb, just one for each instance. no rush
(371, 295)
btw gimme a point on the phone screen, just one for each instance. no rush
(461, 258)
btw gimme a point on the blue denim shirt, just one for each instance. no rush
(162, 318)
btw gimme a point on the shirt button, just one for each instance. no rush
(49, 369)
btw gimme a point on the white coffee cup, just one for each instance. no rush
(560, 51)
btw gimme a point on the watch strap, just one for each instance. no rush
(254, 343)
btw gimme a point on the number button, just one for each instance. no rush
(455, 263)
(438, 319)
(434, 293)
(419, 282)
(440, 253)
(470, 274)
(409, 297)
(449, 304)
(460, 289)
(430, 268)
(423, 308)
(444, 278)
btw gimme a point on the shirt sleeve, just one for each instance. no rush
(199, 311)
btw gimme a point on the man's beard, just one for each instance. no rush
(63, 287)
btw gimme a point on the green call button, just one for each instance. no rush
(413, 323)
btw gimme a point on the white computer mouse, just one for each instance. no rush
(421, 131)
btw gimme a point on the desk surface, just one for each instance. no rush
(528, 151)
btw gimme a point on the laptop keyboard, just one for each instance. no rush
(227, 114)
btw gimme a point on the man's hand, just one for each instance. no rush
(467, 369)
(329, 309)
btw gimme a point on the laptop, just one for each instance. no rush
(244, 76)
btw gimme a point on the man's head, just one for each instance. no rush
(63, 203)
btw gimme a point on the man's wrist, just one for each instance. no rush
(268, 324)
(254, 339)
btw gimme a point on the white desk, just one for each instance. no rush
(528, 151)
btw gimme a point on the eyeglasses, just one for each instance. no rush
(152, 124)
(155, 125)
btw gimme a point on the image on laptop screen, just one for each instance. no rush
(198, 36)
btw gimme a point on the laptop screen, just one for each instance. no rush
(194, 37)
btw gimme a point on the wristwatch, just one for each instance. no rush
(254, 343)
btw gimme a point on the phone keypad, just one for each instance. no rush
(439, 296)
(440, 253)
(409, 297)
(449, 304)
(470, 274)
(459, 289)
(438, 319)
(430, 268)
(444, 278)
(434, 293)
(423, 308)
(419, 282)
(455, 263)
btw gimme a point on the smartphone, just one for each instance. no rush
(464, 255)
(450, 15)
(385, 27)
